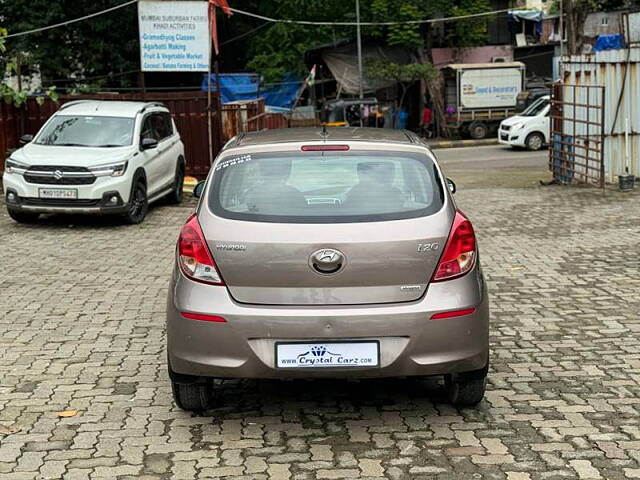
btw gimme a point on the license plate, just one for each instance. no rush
(65, 193)
(327, 355)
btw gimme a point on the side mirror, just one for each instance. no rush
(148, 143)
(199, 188)
(27, 138)
(452, 185)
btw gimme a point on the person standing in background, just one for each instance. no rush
(427, 117)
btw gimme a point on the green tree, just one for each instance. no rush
(104, 46)
(279, 48)
(9, 94)
(404, 75)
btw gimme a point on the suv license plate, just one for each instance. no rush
(327, 355)
(64, 193)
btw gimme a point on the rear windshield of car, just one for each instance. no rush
(326, 187)
(87, 131)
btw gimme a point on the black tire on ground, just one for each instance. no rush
(478, 130)
(192, 397)
(176, 194)
(138, 203)
(466, 389)
(534, 141)
(23, 217)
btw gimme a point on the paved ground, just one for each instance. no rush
(82, 327)
(494, 166)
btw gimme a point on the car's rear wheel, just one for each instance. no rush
(138, 203)
(177, 193)
(23, 217)
(192, 397)
(466, 389)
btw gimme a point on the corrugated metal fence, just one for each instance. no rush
(618, 71)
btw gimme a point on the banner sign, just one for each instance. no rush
(174, 36)
(490, 88)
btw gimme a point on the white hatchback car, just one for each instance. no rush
(530, 129)
(105, 157)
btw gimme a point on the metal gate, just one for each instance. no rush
(576, 147)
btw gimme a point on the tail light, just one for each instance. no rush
(194, 257)
(460, 252)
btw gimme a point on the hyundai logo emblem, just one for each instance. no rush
(327, 260)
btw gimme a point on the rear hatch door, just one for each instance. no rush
(347, 228)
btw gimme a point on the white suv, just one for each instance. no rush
(107, 157)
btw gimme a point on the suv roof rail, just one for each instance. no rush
(151, 104)
(74, 102)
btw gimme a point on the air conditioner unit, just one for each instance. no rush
(500, 59)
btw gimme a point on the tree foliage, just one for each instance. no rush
(376, 69)
(402, 74)
(9, 94)
(103, 46)
(279, 48)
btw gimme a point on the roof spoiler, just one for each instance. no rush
(75, 102)
(150, 105)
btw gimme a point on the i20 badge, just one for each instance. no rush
(428, 247)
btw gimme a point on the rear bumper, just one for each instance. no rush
(410, 342)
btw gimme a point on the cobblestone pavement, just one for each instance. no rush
(82, 328)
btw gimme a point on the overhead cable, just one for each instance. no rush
(369, 24)
(270, 20)
(68, 22)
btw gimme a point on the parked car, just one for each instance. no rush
(105, 157)
(326, 253)
(530, 129)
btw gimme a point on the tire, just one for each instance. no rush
(23, 217)
(466, 389)
(478, 130)
(192, 397)
(534, 141)
(176, 194)
(138, 203)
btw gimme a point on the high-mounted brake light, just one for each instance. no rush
(460, 252)
(194, 257)
(325, 148)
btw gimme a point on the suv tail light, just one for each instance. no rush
(460, 252)
(194, 257)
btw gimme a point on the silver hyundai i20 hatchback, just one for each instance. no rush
(326, 253)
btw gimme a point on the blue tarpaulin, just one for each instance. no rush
(246, 86)
(609, 42)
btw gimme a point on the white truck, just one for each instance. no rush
(478, 96)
